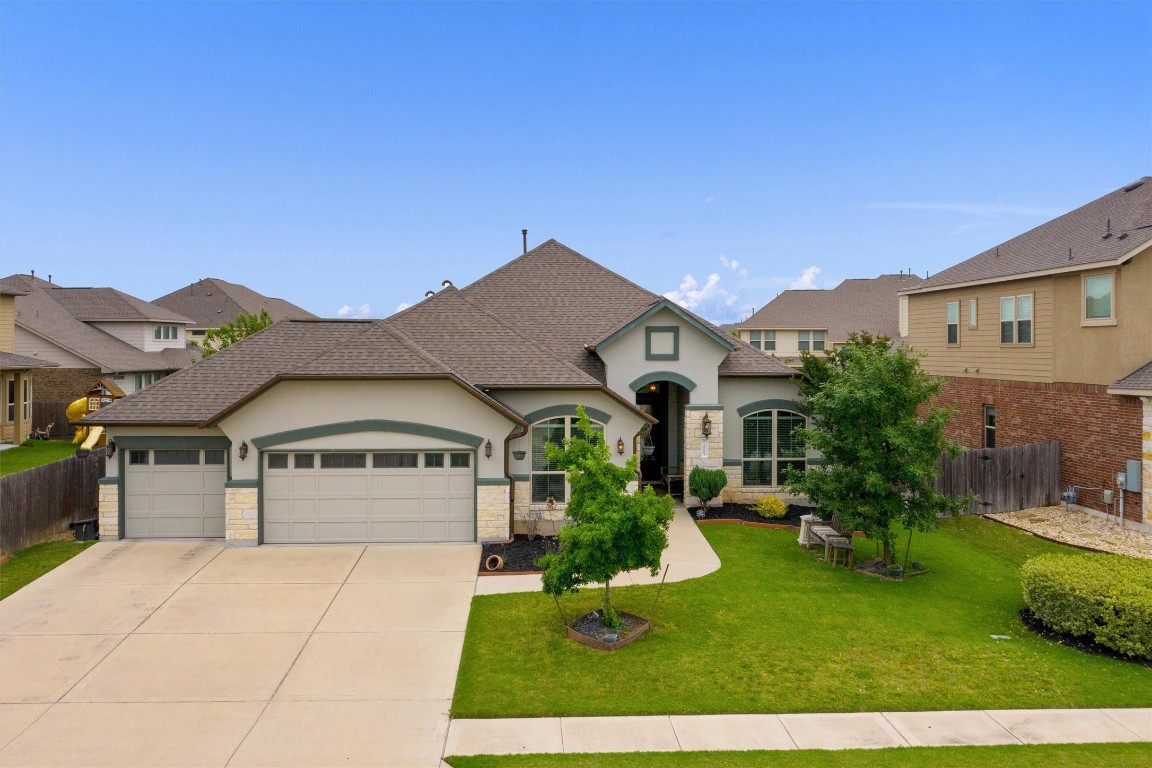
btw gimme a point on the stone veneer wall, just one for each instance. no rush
(241, 505)
(108, 511)
(694, 440)
(491, 512)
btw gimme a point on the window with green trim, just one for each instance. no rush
(771, 445)
(548, 481)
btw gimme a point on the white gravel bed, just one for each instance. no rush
(1080, 530)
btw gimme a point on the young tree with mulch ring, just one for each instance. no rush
(611, 530)
(869, 415)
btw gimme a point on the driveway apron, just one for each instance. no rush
(172, 653)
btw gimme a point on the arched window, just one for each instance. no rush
(770, 445)
(547, 479)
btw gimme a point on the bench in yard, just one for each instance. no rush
(836, 539)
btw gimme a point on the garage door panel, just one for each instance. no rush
(277, 485)
(375, 504)
(396, 483)
(341, 484)
(174, 500)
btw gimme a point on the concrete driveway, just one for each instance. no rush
(167, 653)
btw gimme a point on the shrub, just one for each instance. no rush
(1107, 597)
(706, 484)
(771, 506)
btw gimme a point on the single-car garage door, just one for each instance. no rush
(369, 497)
(174, 493)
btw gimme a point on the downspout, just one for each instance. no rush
(518, 432)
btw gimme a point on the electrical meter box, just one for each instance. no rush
(1132, 476)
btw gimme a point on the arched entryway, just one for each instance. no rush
(664, 395)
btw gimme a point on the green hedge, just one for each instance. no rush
(1108, 597)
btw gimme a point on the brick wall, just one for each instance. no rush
(63, 384)
(1097, 431)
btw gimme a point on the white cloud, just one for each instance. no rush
(806, 280)
(402, 306)
(364, 310)
(734, 265)
(709, 199)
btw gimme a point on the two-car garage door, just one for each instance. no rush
(351, 496)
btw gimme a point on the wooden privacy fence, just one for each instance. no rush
(42, 501)
(1003, 479)
(51, 412)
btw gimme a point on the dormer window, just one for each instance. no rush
(165, 332)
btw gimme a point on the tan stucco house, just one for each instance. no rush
(819, 321)
(431, 425)
(1048, 336)
(211, 302)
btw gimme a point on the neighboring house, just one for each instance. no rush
(1048, 336)
(15, 373)
(94, 334)
(212, 302)
(821, 320)
(431, 425)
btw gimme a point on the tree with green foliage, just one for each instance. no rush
(611, 530)
(706, 484)
(869, 415)
(230, 333)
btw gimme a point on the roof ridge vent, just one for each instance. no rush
(1135, 185)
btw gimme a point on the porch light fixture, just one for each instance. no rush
(243, 451)
(706, 426)
(111, 448)
(654, 387)
(620, 446)
(488, 449)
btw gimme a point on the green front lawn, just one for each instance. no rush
(776, 630)
(1042, 756)
(33, 454)
(32, 562)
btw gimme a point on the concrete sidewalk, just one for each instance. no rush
(689, 556)
(873, 730)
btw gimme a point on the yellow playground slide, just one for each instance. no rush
(94, 435)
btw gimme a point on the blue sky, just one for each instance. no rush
(355, 155)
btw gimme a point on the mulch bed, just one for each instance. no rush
(1082, 643)
(747, 514)
(520, 555)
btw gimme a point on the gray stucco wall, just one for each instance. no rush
(302, 404)
(698, 358)
(738, 392)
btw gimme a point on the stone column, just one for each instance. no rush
(241, 510)
(700, 451)
(492, 512)
(108, 510)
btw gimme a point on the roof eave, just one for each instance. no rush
(1119, 260)
(659, 305)
(1130, 391)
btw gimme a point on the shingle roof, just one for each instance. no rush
(96, 304)
(565, 302)
(1102, 231)
(11, 362)
(41, 313)
(211, 302)
(9, 287)
(457, 333)
(477, 345)
(1140, 379)
(210, 386)
(855, 305)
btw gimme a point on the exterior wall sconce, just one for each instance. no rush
(111, 446)
(654, 387)
(243, 452)
(706, 426)
(488, 449)
(620, 446)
